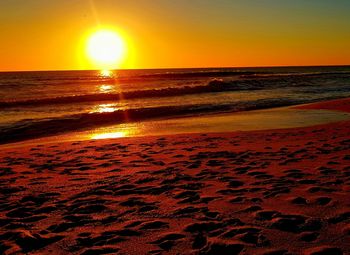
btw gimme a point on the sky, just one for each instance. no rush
(52, 35)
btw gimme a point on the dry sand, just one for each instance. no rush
(260, 192)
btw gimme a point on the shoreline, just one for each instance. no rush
(295, 116)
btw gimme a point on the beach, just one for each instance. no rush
(272, 191)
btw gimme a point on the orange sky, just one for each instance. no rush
(51, 35)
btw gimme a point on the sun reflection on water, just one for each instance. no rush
(106, 73)
(106, 88)
(118, 131)
(110, 135)
(104, 108)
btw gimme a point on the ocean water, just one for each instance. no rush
(35, 104)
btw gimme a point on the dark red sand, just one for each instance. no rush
(264, 192)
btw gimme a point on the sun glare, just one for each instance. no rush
(106, 49)
(106, 73)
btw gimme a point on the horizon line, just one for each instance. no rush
(170, 68)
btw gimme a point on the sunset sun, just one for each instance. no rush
(106, 49)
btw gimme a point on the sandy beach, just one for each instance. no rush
(280, 191)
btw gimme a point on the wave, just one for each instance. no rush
(26, 80)
(254, 82)
(294, 74)
(28, 129)
(230, 73)
(215, 85)
(12, 80)
(195, 74)
(93, 77)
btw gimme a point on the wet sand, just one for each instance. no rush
(267, 119)
(281, 191)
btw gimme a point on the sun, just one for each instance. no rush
(106, 49)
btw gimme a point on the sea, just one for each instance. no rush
(44, 103)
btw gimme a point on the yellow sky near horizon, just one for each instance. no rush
(52, 35)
